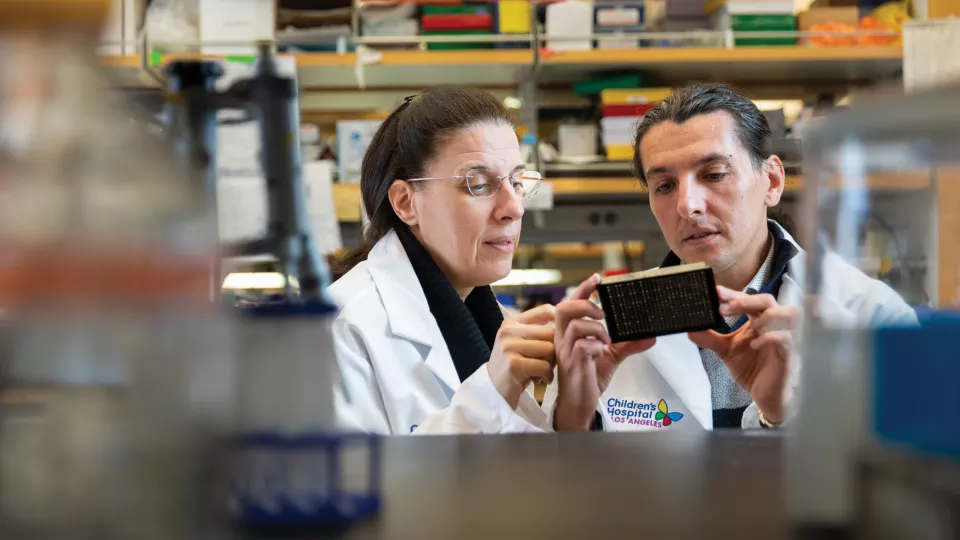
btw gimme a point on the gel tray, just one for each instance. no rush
(660, 302)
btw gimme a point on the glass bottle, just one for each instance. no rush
(115, 372)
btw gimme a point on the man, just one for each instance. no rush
(703, 156)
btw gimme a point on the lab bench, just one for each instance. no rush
(582, 485)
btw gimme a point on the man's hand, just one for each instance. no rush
(586, 360)
(759, 352)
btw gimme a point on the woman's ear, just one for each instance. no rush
(401, 199)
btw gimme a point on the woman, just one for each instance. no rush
(421, 341)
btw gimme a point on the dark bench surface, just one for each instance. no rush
(585, 485)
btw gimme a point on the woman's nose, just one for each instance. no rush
(509, 203)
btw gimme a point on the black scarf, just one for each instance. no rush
(469, 327)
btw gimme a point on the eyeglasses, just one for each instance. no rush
(484, 184)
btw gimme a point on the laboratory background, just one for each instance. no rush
(169, 165)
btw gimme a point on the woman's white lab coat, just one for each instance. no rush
(396, 373)
(670, 376)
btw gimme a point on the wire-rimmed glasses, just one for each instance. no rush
(484, 184)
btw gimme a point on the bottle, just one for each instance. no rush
(115, 368)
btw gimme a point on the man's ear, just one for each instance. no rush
(401, 199)
(773, 169)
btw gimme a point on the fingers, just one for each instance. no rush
(585, 289)
(629, 348)
(572, 310)
(585, 328)
(782, 339)
(539, 315)
(748, 304)
(587, 347)
(709, 339)
(526, 331)
(777, 318)
(530, 348)
(525, 369)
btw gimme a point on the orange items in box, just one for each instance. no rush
(871, 23)
(831, 41)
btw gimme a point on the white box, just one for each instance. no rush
(573, 18)
(234, 26)
(119, 35)
(353, 137)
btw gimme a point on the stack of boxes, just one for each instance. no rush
(457, 20)
(755, 16)
(398, 20)
(618, 18)
(622, 111)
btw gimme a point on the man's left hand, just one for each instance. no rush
(759, 352)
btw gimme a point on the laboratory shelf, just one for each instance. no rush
(347, 196)
(505, 67)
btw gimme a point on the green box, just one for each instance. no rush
(458, 46)
(595, 86)
(469, 9)
(763, 23)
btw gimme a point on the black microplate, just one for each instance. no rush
(660, 305)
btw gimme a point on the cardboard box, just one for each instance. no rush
(820, 15)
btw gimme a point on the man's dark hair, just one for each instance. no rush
(752, 127)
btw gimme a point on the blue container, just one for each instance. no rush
(916, 378)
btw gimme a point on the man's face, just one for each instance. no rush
(708, 197)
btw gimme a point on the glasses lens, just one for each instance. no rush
(481, 184)
(527, 183)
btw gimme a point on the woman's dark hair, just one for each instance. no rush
(752, 127)
(404, 145)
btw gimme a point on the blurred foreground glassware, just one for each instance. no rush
(875, 450)
(115, 372)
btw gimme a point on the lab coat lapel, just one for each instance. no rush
(678, 361)
(407, 310)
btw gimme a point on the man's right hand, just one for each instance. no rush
(586, 360)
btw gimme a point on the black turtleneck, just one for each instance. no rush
(469, 327)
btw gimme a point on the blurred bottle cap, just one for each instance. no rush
(26, 14)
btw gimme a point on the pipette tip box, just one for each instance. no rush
(660, 302)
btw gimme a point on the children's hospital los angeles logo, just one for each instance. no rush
(641, 413)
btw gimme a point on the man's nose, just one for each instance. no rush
(692, 198)
(509, 203)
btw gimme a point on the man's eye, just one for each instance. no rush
(716, 176)
(664, 187)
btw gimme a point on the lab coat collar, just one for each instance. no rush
(406, 306)
(678, 359)
(408, 313)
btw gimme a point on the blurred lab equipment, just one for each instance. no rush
(271, 99)
(876, 446)
(115, 375)
(289, 465)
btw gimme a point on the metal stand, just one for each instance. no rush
(272, 99)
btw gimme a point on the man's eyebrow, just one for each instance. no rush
(712, 158)
(705, 160)
(657, 170)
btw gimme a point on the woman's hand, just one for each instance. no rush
(523, 353)
(586, 359)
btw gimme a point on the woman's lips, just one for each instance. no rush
(503, 245)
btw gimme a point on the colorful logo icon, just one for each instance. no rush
(666, 416)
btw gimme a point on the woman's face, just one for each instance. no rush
(471, 238)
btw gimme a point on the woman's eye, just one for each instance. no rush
(716, 176)
(664, 187)
(478, 183)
